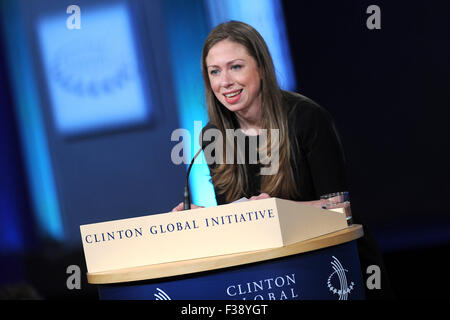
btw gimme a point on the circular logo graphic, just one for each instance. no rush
(337, 281)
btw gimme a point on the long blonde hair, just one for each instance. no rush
(230, 179)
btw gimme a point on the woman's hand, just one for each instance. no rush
(180, 207)
(347, 208)
(322, 203)
(260, 196)
(314, 203)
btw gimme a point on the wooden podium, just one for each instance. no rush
(324, 266)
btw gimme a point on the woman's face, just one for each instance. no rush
(234, 77)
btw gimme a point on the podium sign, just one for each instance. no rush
(331, 273)
(198, 233)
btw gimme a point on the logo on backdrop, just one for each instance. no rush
(161, 295)
(339, 274)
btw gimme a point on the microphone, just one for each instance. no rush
(187, 196)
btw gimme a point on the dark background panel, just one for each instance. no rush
(388, 91)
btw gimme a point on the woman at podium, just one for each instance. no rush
(303, 150)
(283, 144)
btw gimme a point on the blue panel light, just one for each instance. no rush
(92, 72)
(32, 133)
(187, 29)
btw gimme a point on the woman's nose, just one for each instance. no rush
(226, 80)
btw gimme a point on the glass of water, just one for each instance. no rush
(337, 200)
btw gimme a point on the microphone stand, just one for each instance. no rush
(187, 196)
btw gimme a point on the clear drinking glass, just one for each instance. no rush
(337, 200)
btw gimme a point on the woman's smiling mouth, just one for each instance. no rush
(233, 96)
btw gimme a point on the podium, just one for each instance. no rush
(269, 249)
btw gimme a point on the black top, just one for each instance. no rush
(317, 156)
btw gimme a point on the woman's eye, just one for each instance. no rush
(214, 72)
(236, 67)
